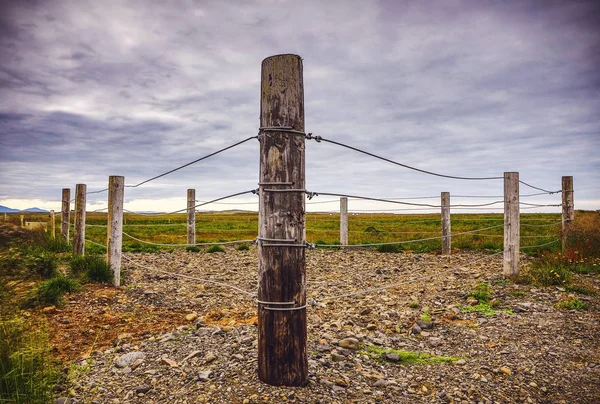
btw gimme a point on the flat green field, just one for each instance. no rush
(323, 228)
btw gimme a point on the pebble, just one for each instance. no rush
(210, 357)
(371, 327)
(129, 358)
(142, 389)
(415, 330)
(392, 357)
(349, 343)
(191, 316)
(506, 370)
(203, 375)
(425, 325)
(435, 342)
(336, 357)
(62, 400)
(460, 362)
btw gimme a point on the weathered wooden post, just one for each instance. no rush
(22, 220)
(446, 239)
(344, 220)
(114, 234)
(52, 225)
(282, 357)
(191, 216)
(79, 230)
(511, 225)
(65, 219)
(568, 208)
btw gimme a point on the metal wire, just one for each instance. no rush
(381, 288)
(225, 285)
(185, 245)
(539, 245)
(252, 191)
(403, 203)
(404, 165)
(539, 189)
(192, 162)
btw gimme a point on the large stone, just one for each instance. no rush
(349, 343)
(128, 359)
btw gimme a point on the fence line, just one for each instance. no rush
(188, 245)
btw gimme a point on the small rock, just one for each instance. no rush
(349, 343)
(371, 327)
(435, 342)
(210, 357)
(425, 334)
(337, 388)
(366, 311)
(149, 292)
(238, 356)
(506, 370)
(191, 317)
(336, 357)
(380, 383)
(169, 362)
(392, 357)
(142, 389)
(471, 301)
(415, 330)
(425, 325)
(460, 362)
(323, 348)
(49, 309)
(191, 355)
(62, 400)
(129, 358)
(203, 375)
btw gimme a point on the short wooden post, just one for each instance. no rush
(511, 225)
(79, 230)
(568, 208)
(52, 225)
(282, 356)
(344, 220)
(191, 216)
(446, 238)
(114, 234)
(65, 214)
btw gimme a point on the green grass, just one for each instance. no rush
(243, 247)
(215, 249)
(406, 357)
(426, 316)
(193, 248)
(51, 292)
(572, 303)
(482, 292)
(90, 268)
(582, 290)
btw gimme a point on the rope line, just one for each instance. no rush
(539, 245)
(192, 162)
(321, 139)
(408, 241)
(225, 285)
(381, 288)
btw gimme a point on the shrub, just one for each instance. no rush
(583, 235)
(482, 292)
(192, 248)
(549, 270)
(51, 292)
(215, 249)
(91, 268)
(243, 247)
(43, 263)
(572, 303)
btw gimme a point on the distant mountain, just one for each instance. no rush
(4, 209)
(35, 210)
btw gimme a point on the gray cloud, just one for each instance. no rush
(458, 87)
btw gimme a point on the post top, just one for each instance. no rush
(281, 55)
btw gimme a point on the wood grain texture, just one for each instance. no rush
(446, 231)
(511, 225)
(79, 229)
(65, 215)
(568, 207)
(344, 220)
(114, 235)
(282, 356)
(191, 216)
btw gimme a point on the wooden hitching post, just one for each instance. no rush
(282, 357)
(446, 239)
(114, 234)
(65, 214)
(568, 208)
(191, 216)
(511, 225)
(344, 220)
(79, 230)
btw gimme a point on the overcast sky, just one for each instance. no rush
(135, 88)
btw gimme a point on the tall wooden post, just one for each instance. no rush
(65, 214)
(79, 230)
(568, 208)
(114, 234)
(22, 216)
(446, 239)
(191, 216)
(344, 220)
(52, 225)
(511, 225)
(282, 356)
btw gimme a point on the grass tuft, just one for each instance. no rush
(572, 303)
(406, 357)
(215, 249)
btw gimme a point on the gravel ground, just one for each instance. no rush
(205, 348)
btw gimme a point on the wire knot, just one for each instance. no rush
(310, 195)
(312, 303)
(255, 191)
(311, 246)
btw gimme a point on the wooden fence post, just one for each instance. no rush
(446, 239)
(114, 234)
(344, 220)
(191, 216)
(568, 208)
(65, 214)
(22, 216)
(52, 225)
(282, 356)
(511, 225)
(79, 230)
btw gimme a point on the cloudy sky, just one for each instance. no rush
(90, 89)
